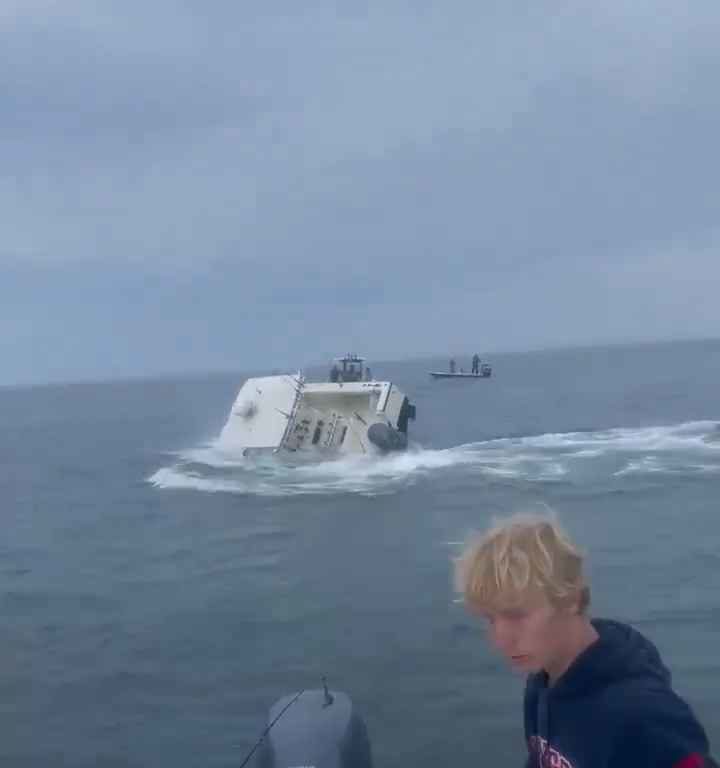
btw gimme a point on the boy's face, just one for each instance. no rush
(529, 636)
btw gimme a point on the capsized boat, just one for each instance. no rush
(351, 413)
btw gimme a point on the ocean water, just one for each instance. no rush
(158, 595)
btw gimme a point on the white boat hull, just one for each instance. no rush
(288, 414)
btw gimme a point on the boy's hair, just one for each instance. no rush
(518, 559)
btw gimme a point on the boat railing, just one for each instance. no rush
(331, 430)
(299, 382)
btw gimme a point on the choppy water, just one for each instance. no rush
(159, 593)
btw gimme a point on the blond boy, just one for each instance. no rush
(597, 692)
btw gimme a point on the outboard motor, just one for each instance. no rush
(386, 438)
(314, 729)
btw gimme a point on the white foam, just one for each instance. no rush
(688, 447)
(211, 455)
(661, 438)
(170, 477)
(646, 465)
(652, 465)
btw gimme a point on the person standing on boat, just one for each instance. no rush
(476, 363)
(452, 365)
(598, 694)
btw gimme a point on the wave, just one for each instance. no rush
(689, 448)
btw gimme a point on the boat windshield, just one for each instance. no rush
(348, 368)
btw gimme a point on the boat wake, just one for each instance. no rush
(690, 449)
(211, 468)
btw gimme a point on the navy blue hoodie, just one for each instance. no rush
(613, 707)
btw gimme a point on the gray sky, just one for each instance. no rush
(234, 185)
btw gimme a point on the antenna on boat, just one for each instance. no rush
(267, 730)
(329, 698)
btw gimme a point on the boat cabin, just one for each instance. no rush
(349, 368)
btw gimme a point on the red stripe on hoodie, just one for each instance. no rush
(691, 761)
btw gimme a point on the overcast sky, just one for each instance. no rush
(237, 185)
